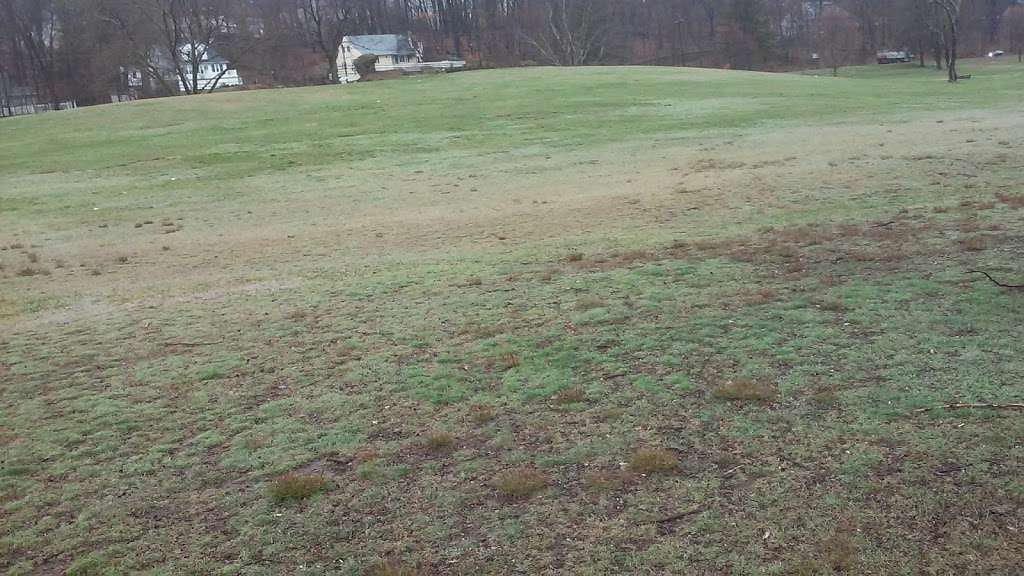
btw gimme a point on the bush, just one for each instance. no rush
(366, 65)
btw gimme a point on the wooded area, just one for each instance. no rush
(82, 50)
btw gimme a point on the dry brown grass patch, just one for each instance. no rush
(520, 483)
(806, 235)
(756, 297)
(570, 396)
(975, 243)
(29, 271)
(481, 413)
(836, 554)
(508, 360)
(391, 568)
(439, 441)
(653, 461)
(1011, 200)
(590, 303)
(830, 305)
(364, 455)
(744, 391)
(606, 480)
(480, 330)
(295, 486)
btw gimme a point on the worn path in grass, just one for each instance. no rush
(593, 321)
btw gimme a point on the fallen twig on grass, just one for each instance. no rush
(883, 224)
(728, 473)
(193, 343)
(956, 405)
(996, 282)
(680, 515)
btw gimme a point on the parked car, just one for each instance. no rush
(996, 53)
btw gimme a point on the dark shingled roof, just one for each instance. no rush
(383, 44)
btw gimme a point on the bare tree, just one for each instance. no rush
(173, 37)
(838, 38)
(951, 11)
(1013, 30)
(576, 32)
(325, 23)
(35, 32)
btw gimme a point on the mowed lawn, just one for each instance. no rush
(531, 321)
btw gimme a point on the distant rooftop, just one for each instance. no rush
(382, 44)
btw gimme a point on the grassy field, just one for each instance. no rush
(533, 321)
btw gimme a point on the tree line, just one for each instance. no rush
(82, 49)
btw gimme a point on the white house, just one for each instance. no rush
(393, 51)
(214, 70)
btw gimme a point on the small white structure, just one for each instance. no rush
(214, 71)
(393, 52)
(894, 56)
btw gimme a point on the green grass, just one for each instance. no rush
(451, 312)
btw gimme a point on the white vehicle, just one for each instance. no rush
(996, 53)
(894, 56)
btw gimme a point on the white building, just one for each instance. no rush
(214, 71)
(393, 52)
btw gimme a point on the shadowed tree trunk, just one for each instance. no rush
(951, 10)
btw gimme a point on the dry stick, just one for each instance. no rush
(1013, 406)
(996, 282)
(732, 470)
(680, 515)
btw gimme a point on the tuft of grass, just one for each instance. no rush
(590, 303)
(653, 461)
(520, 483)
(481, 413)
(839, 552)
(391, 567)
(508, 360)
(836, 554)
(296, 486)
(122, 259)
(28, 271)
(574, 257)
(830, 305)
(975, 243)
(744, 391)
(439, 441)
(606, 481)
(32, 257)
(570, 396)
